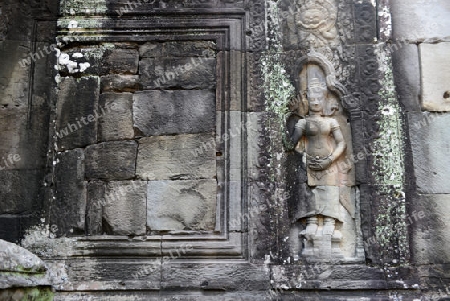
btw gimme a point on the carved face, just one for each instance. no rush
(312, 17)
(316, 102)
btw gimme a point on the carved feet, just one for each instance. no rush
(321, 239)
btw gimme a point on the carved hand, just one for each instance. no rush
(320, 164)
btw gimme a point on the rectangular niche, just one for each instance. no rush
(191, 82)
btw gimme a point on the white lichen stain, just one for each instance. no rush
(388, 154)
(384, 15)
(72, 24)
(64, 61)
(84, 66)
(41, 241)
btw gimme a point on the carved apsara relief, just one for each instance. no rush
(319, 130)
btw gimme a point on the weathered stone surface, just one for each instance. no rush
(177, 49)
(69, 206)
(417, 20)
(22, 274)
(407, 75)
(185, 73)
(136, 274)
(20, 191)
(119, 83)
(365, 21)
(216, 276)
(323, 275)
(116, 121)
(430, 223)
(191, 156)
(124, 212)
(16, 259)
(435, 66)
(181, 205)
(76, 125)
(34, 293)
(123, 61)
(24, 140)
(13, 123)
(94, 207)
(429, 142)
(111, 160)
(174, 112)
(168, 295)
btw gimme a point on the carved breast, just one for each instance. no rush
(318, 137)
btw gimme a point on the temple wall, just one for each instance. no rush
(146, 148)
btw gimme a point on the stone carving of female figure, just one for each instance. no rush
(324, 143)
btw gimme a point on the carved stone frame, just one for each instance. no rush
(228, 31)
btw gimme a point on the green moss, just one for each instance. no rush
(27, 294)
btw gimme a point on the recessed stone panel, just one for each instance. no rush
(116, 122)
(184, 73)
(435, 66)
(177, 157)
(124, 211)
(181, 205)
(174, 112)
(111, 160)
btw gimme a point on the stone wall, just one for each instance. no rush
(27, 37)
(422, 62)
(153, 158)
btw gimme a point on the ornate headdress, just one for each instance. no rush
(315, 86)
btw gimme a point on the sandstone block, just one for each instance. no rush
(123, 61)
(76, 125)
(430, 223)
(407, 75)
(119, 83)
(174, 112)
(181, 205)
(185, 73)
(111, 160)
(435, 66)
(69, 206)
(116, 121)
(418, 19)
(177, 157)
(94, 207)
(429, 141)
(178, 49)
(124, 212)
